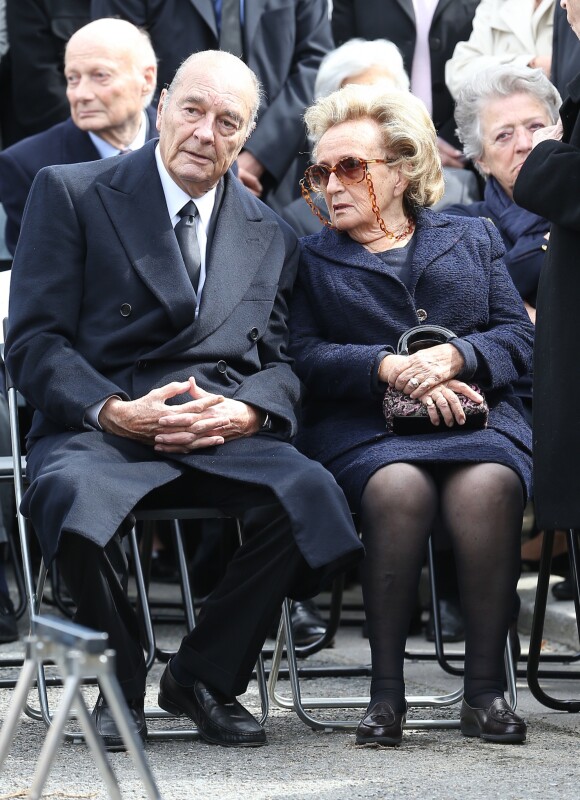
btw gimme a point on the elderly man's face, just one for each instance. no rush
(105, 87)
(203, 124)
(507, 127)
(572, 9)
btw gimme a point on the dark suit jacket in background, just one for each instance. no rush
(284, 43)
(549, 185)
(395, 20)
(101, 304)
(62, 144)
(565, 52)
(33, 91)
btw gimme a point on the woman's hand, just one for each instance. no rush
(418, 374)
(443, 402)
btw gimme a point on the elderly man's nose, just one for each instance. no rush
(204, 130)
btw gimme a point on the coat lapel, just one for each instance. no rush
(434, 237)
(136, 207)
(242, 238)
(407, 6)
(252, 13)
(206, 10)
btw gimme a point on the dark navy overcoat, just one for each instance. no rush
(347, 308)
(101, 305)
(550, 186)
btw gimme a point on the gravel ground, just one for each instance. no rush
(299, 764)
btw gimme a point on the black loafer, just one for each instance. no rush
(107, 727)
(219, 720)
(307, 624)
(564, 590)
(452, 629)
(498, 723)
(8, 626)
(381, 726)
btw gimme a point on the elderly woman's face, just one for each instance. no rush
(507, 125)
(350, 205)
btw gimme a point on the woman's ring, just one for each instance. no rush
(429, 401)
(414, 382)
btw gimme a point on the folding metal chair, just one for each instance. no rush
(303, 705)
(34, 593)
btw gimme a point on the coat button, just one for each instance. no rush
(125, 310)
(222, 366)
(254, 333)
(421, 314)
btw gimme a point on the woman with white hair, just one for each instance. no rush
(497, 112)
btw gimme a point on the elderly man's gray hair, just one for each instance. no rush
(501, 81)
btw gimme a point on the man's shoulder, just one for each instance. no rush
(62, 143)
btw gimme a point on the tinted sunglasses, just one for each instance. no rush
(348, 170)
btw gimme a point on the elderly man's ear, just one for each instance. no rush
(149, 80)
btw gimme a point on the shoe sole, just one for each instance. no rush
(175, 711)
(508, 738)
(383, 742)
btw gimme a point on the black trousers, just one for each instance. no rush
(235, 619)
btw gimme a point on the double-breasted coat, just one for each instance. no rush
(548, 184)
(348, 309)
(101, 305)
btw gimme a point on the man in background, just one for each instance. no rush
(110, 71)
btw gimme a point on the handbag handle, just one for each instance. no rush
(422, 336)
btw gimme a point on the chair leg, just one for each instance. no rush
(572, 706)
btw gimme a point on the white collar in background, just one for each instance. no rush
(107, 150)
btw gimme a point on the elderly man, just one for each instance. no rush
(151, 338)
(282, 42)
(110, 70)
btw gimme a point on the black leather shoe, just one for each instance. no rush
(307, 624)
(564, 590)
(381, 726)
(452, 629)
(8, 626)
(498, 723)
(107, 727)
(219, 720)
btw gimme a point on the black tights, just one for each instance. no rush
(481, 506)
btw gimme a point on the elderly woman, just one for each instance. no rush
(384, 264)
(378, 62)
(497, 112)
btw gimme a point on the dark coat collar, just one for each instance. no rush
(435, 235)
(136, 206)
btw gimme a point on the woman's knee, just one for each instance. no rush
(400, 487)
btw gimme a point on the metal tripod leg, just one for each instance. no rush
(78, 652)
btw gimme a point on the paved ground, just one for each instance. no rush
(299, 764)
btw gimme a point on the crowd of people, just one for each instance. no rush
(242, 207)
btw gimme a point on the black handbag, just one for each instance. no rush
(406, 416)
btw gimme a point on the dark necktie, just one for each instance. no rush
(231, 28)
(187, 240)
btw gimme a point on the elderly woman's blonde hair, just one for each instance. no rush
(407, 132)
